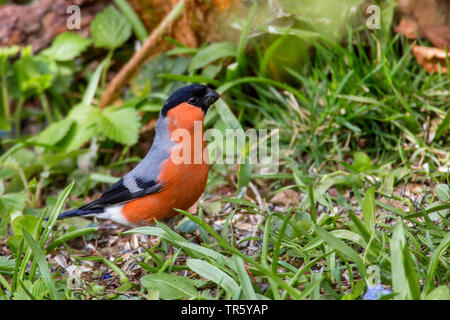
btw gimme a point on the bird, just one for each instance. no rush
(166, 178)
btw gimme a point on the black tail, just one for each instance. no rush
(78, 212)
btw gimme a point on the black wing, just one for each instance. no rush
(118, 193)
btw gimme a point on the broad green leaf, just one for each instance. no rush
(440, 293)
(23, 292)
(442, 192)
(8, 51)
(24, 222)
(138, 27)
(120, 124)
(55, 132)
(361, 161)
(85, 119)
(7, 263)
(14, 243)
(15, 201)
(212, 53)
(186, 226)
(31, 291)
(67, 46)
(110, 29)
(170, 286)
(103, 178)
(34, 73)
(368, 209)
(211, 272)
(39, 289)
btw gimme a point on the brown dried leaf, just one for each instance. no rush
(431, 59)
(286, 198)
(426, 18)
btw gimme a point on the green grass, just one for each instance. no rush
(364, 149)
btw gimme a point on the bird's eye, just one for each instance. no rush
(192, 100)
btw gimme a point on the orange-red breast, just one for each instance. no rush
(174, 172)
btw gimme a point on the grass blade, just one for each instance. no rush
(400, 283)
(342, 248)
(368, 209)
(211, 272)
(42, 264)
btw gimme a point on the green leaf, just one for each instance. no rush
(68, 236)
(440, 293)
(39, 289)
(42, 263)
(24, 222)
(55, 132)
(110, 29)
(9, 51)
(121, 125)
(361, 161)
(212, 53)
(244, 177)
(89, 94)
(342, 248)
(138, 27)
(400, 283)
(34, 73)
(244, 279)
(7, 263)
(15, 201)
(442, 192)
(67, 46)
(435, 256)
(170, 286)
(103, 178)
(411, 274)
(186, 226)
(443, 126)
(85, 119)
(172, 237)
(211, 272)
(62, 196)
(368, 209)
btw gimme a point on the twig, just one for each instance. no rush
(140, 56)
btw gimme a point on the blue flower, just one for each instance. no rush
(107, 275)
(376, 292)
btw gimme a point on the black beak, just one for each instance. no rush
(210, 97)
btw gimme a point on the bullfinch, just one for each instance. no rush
(167, 177)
